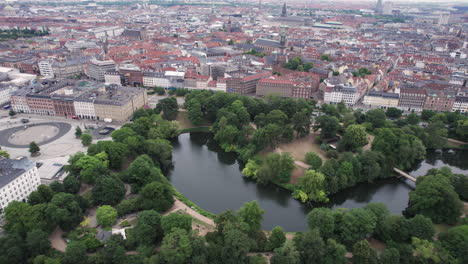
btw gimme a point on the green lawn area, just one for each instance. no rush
(184, 122)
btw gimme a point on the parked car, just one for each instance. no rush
(24, 120)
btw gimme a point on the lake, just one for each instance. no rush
(212, 179)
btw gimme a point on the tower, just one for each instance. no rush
(379, 6)
(284, 12)
(229, 25)
(283, 38)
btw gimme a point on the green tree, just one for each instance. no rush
(462, 129)
(86, 139)
(276, 167)
(363, 253)
(113, 251)
(335, 253)
(43, 194)
(71, 184)
(4, 154)
(156, 196)
(312, 184)
(251, 168)
(33, 148)
(160, 150)
(301, 123)
(91, 167)
(357, 223)
(68, 212)
(78, 132)
(141, 172)
(323, 220)
(169, 107)
(426, 252)
(437, 135)
(287, 254)
(435, 198)
(37, 242)
(116, 152)
(355, 136)
(252, 215)
(329, 125)
(75, 253)
(276, 239)
(148, 229)
(236, 246)
(175, 220)
(106, 216)
(412, 119)
(421, 227)
(120, 135)
(390, 256)
(195, 113)
(313, 160)
(310, 246)
(108, 190)
(376, 117)
(11, 112)
(176, 247)
(394, 112)
(455, 240)
(325, 57)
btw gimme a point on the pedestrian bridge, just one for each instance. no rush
(404, 174)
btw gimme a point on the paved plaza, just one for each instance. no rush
(54, 135)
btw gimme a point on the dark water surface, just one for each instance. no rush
(212, 179)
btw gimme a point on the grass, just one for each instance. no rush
(195, 129)
(191, 204)
(185, 123)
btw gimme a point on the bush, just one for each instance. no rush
(106, 216)
(313, 160)
(86, 139)
(332, 154)
(125, 223)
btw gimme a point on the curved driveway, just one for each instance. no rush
(5, 134)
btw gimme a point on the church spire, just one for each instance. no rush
(284, 13)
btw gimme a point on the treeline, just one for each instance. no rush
(276, 120)
(146, 142)
(22, 33)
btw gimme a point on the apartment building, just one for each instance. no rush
(412, 99)
(97, 69)
(439, 100)
(119, 103)
(18, 178)
(45, 68)
(461, 102)
(341, 93)
(113, 77)
(69, 67)
(155, 79)
(377, 99)
(5, 93)
(244, 83)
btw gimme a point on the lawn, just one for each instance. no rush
(184, 122)
(299, 147)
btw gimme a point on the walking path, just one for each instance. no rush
(178, 205)
(297, 162)
(56, 240)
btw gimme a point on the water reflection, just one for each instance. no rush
(212, 179)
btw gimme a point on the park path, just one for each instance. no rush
(57, 241)
(297, 162)
(178, 205)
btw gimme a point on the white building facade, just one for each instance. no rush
(18, 178)
(45, 68)
(84, 109)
